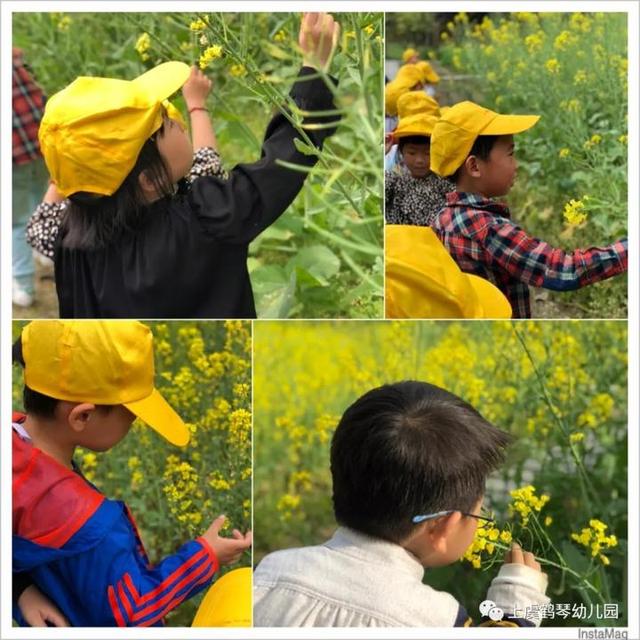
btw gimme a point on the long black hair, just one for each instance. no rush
(92, 221)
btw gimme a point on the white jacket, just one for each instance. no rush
(354, 580)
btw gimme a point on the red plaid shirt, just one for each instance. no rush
(482, 239)
(28, 107)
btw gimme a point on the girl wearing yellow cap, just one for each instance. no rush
(414, 195)
(135, 239)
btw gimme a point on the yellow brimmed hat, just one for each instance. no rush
(423, 281)
(428, 73)
(418, 114)
(456, 131)
(93, 130)
(408, 54)
(408, 77)
(228, 601)
(102, 362)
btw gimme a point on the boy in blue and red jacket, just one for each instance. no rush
(85, 382)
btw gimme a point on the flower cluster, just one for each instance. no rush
(593, 538)
(526, 502)
(142, 46)
(209, 55)
(484, 544)
(574, 211)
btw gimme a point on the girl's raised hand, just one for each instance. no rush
(196, 89)
(318, 39)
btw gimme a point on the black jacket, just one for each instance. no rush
(188, 258)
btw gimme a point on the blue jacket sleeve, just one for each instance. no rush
(117, 587)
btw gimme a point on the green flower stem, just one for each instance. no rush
(586, 484)
(562, 566)
(367, 96)
(362, 248)
(360, 273)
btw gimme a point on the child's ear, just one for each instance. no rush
(440, 533)
(472, 167)
(80, 415)
(147, 186)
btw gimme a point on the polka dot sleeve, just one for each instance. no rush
(43, 226)
(206, 162)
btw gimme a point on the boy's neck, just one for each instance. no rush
(465, 184)
(45, 435)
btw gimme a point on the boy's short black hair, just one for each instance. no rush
(413, 140)
(481, 148)
(407, 449)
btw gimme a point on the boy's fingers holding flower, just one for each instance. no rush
(516, 555)
(530, 561)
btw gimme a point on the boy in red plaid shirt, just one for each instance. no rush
(475, 147)
(29, 173)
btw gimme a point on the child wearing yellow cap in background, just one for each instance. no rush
(85, 382)
(129, 245)
(408, 78)
(415, 195)
(475, 148)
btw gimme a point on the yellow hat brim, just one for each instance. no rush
(164, 80)
(493, 302)
(503, 125)
(156, 412)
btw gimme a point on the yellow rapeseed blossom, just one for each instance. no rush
(198, 25)
(580, 77)
(552, 65)
(280, 36)
(564, 153)
(594, 539)
(64, 23)
(525, 502)
(484, 542)
(623, 138)
(534, 42)
(595, 140)
(578, 436)
(548, 521)
(209, 55)
(369, 29)
(564, 40)
(143, 44)
(572, 106)
(580, 22)
(574, 212)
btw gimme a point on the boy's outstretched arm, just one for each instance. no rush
(537, 263)
(520, 585)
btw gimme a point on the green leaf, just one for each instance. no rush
(275, 291)
(318, 261)
(304, 148)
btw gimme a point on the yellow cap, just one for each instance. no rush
(428, 72)
(418, 114)
(102, 362)
(408, 77)
(456, 131)
(423, 281)
(93, 130)
(228, 601)
(408, 54)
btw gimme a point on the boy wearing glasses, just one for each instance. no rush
(409, 463)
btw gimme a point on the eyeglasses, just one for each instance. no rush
(439, 514)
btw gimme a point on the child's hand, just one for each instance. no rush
(228, 550)
(37, 609)
(196, 89)
(318, 39)
(517, 556)
(52, 195)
